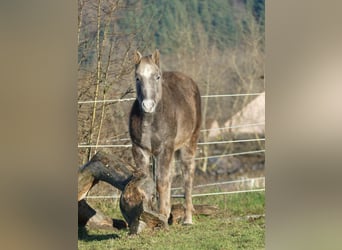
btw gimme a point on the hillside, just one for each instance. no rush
(220, 44)
(168, 24)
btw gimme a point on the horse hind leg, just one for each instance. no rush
(186, 157)
(164, 181)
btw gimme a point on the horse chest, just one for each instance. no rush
(153, 134)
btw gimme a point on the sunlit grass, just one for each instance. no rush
(230, 228)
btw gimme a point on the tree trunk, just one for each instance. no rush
(138, 198)
(87, 216)
(137, 203)
(103, 167)
(178, 212)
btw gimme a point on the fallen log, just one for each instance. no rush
(178, 212)
(96, 219)
(103, 167)
(138, 203)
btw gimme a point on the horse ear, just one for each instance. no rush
(137, 57)
(155, 57)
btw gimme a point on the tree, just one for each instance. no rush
(104, 71)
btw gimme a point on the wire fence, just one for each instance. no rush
(260, 188)
(202, 130)
(235, 126)
(232, 154)
(132, 99)
(251, 180)
(200, 143)
(220, 193)
(84, 145)
(182, 195)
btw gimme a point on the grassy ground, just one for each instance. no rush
(237, 225)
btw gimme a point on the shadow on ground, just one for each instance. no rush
(85, 236)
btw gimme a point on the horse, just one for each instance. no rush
(164, 122)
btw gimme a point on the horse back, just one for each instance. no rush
(181, 91)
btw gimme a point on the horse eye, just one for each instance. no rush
(158, 77)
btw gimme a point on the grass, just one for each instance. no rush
(231, 228)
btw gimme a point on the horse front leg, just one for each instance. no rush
(164, 181)
(188, 162)
(141, 158)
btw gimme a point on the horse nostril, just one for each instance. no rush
(148, 106)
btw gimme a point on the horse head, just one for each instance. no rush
(148, 78)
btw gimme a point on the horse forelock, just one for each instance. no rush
(146, 70)
(147, 67)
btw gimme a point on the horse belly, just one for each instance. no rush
(185, 129)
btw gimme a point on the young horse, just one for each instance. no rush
(165, 120)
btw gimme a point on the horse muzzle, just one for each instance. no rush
(148, 106)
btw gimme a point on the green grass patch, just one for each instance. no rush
(230, 228)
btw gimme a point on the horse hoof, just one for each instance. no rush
(187, 223)
(137, 227)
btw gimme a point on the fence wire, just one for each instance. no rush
(203, 185)
(132, 99)
(200, 143)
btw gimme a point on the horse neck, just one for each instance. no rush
(147, 119)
